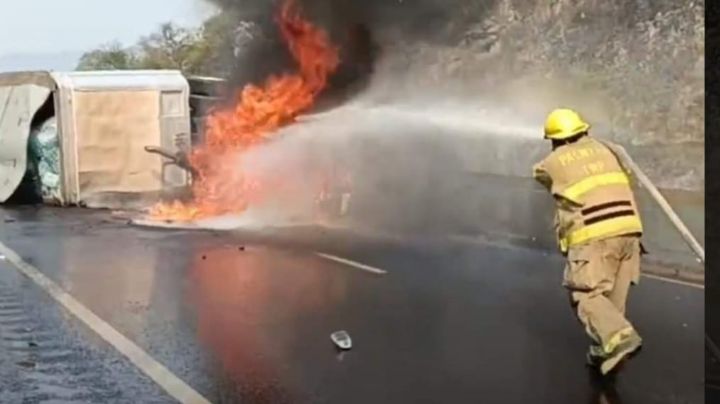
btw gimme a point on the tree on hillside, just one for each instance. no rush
(218, 33)
(111, 56)
(174, 47)
(193, 51)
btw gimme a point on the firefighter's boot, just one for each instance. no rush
(629, 342)
(595, 356)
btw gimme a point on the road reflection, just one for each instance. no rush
(115, 280)
(250, 305)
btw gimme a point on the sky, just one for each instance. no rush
(73, 26)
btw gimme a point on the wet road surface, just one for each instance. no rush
(247, 318)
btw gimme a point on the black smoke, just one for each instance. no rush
(360, 28)
(364, 30)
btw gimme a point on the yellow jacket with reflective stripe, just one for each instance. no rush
(592, 192)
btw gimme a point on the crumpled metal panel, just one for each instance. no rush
(18, 105)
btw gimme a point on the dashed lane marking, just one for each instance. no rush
(354, 264)
(675, 281)
(141, 359)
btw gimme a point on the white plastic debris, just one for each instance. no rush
(341, 339)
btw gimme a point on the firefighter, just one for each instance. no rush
(598, 229)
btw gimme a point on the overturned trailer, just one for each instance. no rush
(79, 138)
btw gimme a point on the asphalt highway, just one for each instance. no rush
(247, 317)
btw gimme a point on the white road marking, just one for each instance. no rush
(675, 281)
(351, 263)
(474, 240)
(152, 368)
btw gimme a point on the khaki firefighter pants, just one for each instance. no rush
(598, 276)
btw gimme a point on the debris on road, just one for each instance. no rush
(341, 339)
(26, 364)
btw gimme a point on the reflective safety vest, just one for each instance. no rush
(592, 192)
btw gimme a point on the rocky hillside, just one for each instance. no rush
(635, 68)
(637, 65)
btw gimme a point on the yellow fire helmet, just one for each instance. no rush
(563, 124)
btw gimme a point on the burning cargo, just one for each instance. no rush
(220, 186)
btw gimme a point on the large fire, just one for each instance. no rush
(221, 187)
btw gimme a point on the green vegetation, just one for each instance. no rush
(193, 51)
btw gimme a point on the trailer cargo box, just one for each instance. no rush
(102, 122)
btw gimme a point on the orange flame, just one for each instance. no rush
(220, 186)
